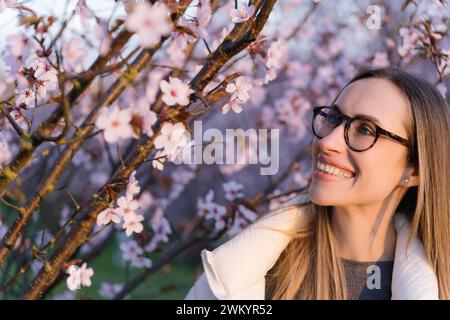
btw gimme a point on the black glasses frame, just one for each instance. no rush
(348, 121)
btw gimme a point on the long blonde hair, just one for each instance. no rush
(309, 267)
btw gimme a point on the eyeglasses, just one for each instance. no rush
(360, 133)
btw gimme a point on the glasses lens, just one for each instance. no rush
(325, 121)
(361, 134)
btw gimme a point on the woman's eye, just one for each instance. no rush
(333, 119)
(366, 131)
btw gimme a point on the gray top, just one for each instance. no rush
(365, 280)
(368, 280)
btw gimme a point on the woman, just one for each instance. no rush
(374, 222)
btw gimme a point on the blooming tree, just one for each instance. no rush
(97, 111)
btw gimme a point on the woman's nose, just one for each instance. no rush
(334, 140)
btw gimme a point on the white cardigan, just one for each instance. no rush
(237, 268)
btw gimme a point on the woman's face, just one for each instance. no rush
(378, 171)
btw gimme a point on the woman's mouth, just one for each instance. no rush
(327, 172)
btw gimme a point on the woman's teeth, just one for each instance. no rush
(333, 170)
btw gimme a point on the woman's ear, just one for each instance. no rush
(411, 177)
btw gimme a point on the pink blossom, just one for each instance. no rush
(133, 186)
(79, 277)
(85, 275)
(233, 190)
(162, 229)
(218, 214)
(202, 19)
(126, 206)
(211, 210)
(233, 104)
(242, 14)
(109, 290)
(115, 123)
(239, 89)
(106, 216)
(2, 88)
(141, 262)
(5, 153)
(26, 97)
(17, 45)
(130, 250)
(275, 53)
(409, 40)
(147, 116)
(181, 152)
(45, 72)
(146, 200)
(175, 92)
(160, 158)
(132, 223)
(6, 4)
(84, 12)
(151, 22)
(171, 137)
(182, 38)
(243, 218)
(152, 86)
(103, 34)
(74, 54)
(380, 60)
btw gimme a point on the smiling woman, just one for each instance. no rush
(374, 222)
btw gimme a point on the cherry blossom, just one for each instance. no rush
(242, 14)
(141, 262)
(409, 40)
(66, 295)
(6, 4)
(151, 22)
(126, 206)
(243, 218)
(159, 159)
(17, 45)
(84, 12)
(115, 123)
(175, 92)
(161, 228)
(79, 276)
(171, 137)
(109, 290)
(5, 153)
(146, 118)
(181, 153)
(233, 190)
(211, 210)
(146, 200)
(102, 33)
(132, 223)
(239, 89)
(181, 39)
(380, 60)
(108, 215)
(133, 187)
(130, 250)
(202, 19)
(234, 105)
(74, 54)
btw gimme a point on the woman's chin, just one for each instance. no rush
(320, 198)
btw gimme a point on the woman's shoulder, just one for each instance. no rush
(253, 252)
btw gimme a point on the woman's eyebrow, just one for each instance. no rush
(366, 116)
